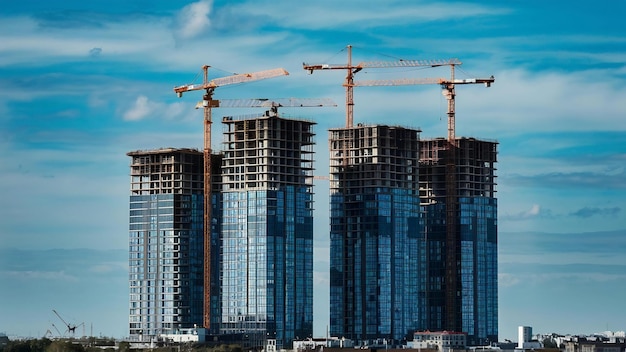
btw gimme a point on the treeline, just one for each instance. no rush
(47, 345)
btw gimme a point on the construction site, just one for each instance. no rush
(401, 208)
(413, 227)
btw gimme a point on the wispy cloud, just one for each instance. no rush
(507, 279)
(144, 108)
(29, 275)
(536, 211)
(193, 19)
(596, 180)
(355, 15)
(110, 267)
(67, 264)
(547, 247)
(588, 212)
(533, 212)
(539, 258)
(69, 19)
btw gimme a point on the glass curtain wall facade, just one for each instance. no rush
(374, 205)
(267, 230)
(476, 226)
(165, 241)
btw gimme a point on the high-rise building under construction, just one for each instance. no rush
(267, 229)
(394, 266)
(375, 232)
(260, 265)
(459, 207)
(165, 241)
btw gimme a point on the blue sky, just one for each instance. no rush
(84, 82)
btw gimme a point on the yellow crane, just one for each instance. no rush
(208, 103)
(353, 69)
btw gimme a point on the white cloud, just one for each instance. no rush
(140, 109)
(24, 43)
(534, 210)
(143, 108)
(193, 19)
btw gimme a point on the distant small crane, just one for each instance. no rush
(71, 329)
(57, 330)
(47, 334)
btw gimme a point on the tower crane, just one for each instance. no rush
(447, 86)
(57, 330)
(48, 333)
(271, 104)
(70, 328)
(353, 69)
(208, 103)
(453, 290)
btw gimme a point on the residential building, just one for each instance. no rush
(165, 241)
(459, 209)
(267, 229)
(375, 232)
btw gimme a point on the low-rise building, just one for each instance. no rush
(595, 345)
(185, 335)
(314, 344)
(440, 340)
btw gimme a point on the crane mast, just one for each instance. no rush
(208, 103)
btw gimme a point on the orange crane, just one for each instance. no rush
(448, 90)
(353, 69)
(208, 103)
(453, 290)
